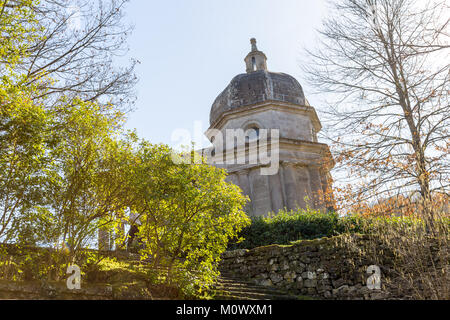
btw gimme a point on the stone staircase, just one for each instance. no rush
(231, 288)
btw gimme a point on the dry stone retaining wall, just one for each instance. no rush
(36, 290)
(324, 268)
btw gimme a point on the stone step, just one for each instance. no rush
(230, 281)
(230, 297)
(253, 288)
(231, 288)
(249, 290)
(225, 279)
(245, 295)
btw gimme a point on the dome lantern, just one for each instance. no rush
(256, 60)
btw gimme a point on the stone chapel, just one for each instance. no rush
(260, 99)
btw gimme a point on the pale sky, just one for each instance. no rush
(191, 49)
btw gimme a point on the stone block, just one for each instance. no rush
(338, 282)
(311, 291)
(276, 278)
(266, 282)
(299, 283)
(324, 276)
(310, 283)
(339, 291)
(305, 259)
(309, 275)
(290, 275)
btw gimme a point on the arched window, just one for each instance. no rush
(252, 134)
(253, 63)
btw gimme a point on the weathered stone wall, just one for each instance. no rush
(327, 268)
(37, 290)
(34, 284)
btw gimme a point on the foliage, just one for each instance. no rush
(21, 263)
(187, 213)
(82, 190)
(18, 28)
(67, 170)
(420, 258)
(22, 129)
(286, 227)
(386, 64)
(76, 46)
(23, 123)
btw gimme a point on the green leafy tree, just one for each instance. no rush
(22, 125)
(187, 214)
(22, 121)
(18, 28)
(82, 188)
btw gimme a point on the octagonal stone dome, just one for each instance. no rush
(255, 87)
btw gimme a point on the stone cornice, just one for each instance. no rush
(321, 149)
(268, 105)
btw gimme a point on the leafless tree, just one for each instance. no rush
(383, 66)
(78, 50)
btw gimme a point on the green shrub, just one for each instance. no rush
(288, 226)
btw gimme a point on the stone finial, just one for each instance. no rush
(253, 42)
